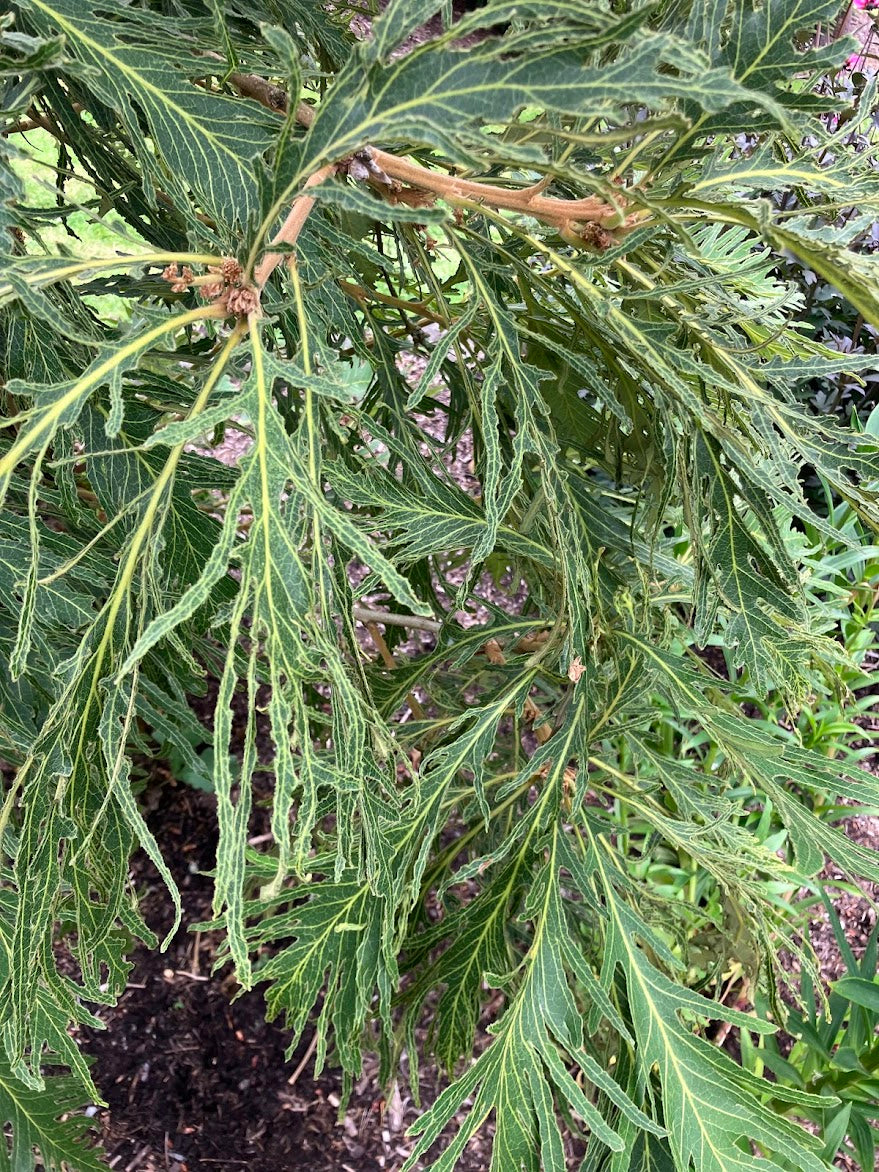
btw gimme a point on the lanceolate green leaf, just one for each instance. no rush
(514, 1076)
(59, 406)
(853, 274)
(764, 170)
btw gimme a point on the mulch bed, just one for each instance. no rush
(197, 1080)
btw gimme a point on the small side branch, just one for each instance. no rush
(361, 296)
(37, 121)
(292, 226)
(389, 662)
(562, 214)
(370, 614)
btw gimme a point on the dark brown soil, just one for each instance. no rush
(197, 1080)
(191, 1080)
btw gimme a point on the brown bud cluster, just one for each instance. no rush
(230, 269)
(413, 197)
(230, 288)
(595, 236)
(242, 300)
(224, 284)
(178, 280)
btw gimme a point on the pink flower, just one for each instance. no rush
(867, 4)
(853, 61)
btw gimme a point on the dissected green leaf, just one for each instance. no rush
(37, 1132)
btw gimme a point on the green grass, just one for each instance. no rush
(84, 233)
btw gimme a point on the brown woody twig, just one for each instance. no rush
(564, 214)
(292, 226)
(370, 614)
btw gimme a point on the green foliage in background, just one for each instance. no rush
(482, 816)
(836, 1053)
